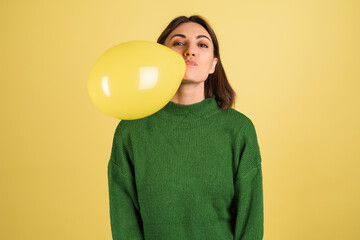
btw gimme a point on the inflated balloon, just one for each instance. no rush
(135, 79)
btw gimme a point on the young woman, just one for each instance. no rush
(193, 169)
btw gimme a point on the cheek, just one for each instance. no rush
(176, 50)
(208, 62)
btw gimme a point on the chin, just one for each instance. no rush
(191, 79)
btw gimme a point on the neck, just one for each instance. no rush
(189, 93)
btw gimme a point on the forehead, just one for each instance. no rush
(190, 30)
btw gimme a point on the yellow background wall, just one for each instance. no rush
(295, 66)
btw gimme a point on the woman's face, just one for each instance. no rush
(194, 43)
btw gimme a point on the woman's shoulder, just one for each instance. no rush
(240, 119)
(125, 127)
(128, 127)
(238, 115)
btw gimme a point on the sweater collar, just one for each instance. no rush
(201, 109)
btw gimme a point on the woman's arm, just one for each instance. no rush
(125, 216)
(248, 200)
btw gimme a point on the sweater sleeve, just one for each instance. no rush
(248, 199)
(125, 216)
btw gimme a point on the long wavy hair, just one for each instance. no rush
(216, 83)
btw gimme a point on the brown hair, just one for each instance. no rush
(216, 83)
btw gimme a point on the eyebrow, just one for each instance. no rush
(197, 37)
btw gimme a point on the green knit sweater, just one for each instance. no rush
(186, 172)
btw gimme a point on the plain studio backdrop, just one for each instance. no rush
(295, 66)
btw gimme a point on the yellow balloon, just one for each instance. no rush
(135, 79)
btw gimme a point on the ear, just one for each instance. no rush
(212, 69)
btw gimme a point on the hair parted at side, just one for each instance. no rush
(217, 83)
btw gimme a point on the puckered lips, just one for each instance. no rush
(190, 62)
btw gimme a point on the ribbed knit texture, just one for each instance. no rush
(186, 172)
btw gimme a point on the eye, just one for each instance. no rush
(176, 43)
(206, 46)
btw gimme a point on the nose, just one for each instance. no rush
(189, 51)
